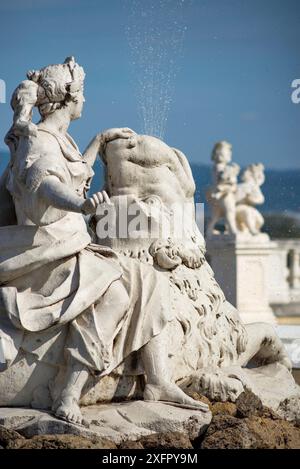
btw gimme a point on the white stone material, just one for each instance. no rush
(117, 422)
(290, 336)
(241, 266)
(290, 256)
(231, 201)
(278, 286)
(82, 323)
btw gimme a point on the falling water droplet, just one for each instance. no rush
(155, 34)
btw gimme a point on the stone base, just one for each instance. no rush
(245, 424)
(241, 267)
(267, 316)
(116, 422)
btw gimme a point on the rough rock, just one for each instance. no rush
(272, 383)
(269, 414)
(116, 422)
(61, 442)
(170, 440)
(199, 397)
(289, 409)
(7, 436)
(224, 408)
(227, 432)
(273, 434)
(130, 445)
(248, 404)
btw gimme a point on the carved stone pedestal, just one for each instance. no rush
(241, 266)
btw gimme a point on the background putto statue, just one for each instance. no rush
(82, 322)
(231, 201)
(249, 194)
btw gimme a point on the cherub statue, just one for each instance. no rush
(221, 157)
(232, 201)
(249, 194)
(222, 198)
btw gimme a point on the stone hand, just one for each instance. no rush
(112, 134)
(90, 205)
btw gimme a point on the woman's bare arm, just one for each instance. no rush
(92, 150)
(97, 145)
(60, 196)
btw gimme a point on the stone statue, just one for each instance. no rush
(84, 322)
(222, 198)
(50, 273)
(232, 201)
(214, 344)
(249, 194)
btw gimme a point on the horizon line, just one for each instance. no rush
(268, 168)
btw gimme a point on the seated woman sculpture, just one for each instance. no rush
(51, 275)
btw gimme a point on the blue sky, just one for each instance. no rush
(234, 81)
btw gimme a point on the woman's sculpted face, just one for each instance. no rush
(76, 106)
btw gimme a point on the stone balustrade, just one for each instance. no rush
(289, 254)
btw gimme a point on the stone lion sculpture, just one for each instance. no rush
(82, 323)
(215, 345)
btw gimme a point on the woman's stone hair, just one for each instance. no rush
(47, 89)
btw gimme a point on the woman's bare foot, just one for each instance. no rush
(171, 393)
(68, 409)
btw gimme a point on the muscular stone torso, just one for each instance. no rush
(143, 170)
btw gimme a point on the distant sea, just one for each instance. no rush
(281, 189)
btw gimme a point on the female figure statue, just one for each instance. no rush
(51, 275)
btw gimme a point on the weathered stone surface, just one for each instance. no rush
(272, 383)
(289, 409)
(273, 434)
(61, 442)
(199, 397)
(248, 404)
(130, 445)
(170, 440)
(269, 414)
(227, 432)
(7, 436)
(265, 430)
(224, 408)
(115, 422)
